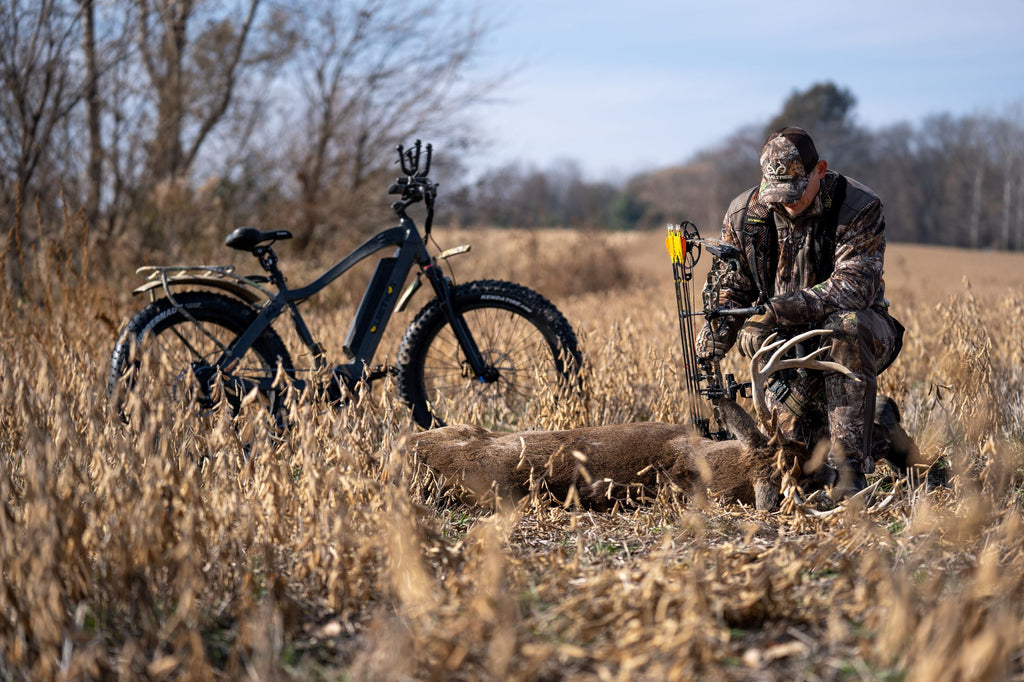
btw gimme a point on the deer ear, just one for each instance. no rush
(741, 423)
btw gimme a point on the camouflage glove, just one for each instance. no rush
(795, 309)
(707, 344)
(755, 331)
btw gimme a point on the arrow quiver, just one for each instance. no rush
(705, 385)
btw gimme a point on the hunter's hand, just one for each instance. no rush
(756, 329)
(707, 346)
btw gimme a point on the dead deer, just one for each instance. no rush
(605, 464)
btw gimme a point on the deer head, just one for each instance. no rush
(768, 454)
(764, 434)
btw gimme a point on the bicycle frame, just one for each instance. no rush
(410, 250)
(373, 313)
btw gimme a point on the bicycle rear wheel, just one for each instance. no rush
(526, 342)
(166, 353)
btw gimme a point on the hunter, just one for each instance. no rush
(812, 246)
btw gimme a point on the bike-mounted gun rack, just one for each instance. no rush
(415, 186)
(409, 159)
(703, 378)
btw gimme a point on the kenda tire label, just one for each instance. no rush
(510, 301)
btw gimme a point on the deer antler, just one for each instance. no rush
(759, 375)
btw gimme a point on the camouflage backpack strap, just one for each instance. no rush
(825, 240)
(760, 244)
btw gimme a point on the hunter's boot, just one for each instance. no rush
(889, 441)
(851, 411)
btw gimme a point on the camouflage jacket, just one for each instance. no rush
(789, 269)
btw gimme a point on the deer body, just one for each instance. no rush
(629, 461)
(615, 462)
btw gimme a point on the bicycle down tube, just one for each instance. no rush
(368, 326)
(408, 246)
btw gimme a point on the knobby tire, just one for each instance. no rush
(161, 340)
(518, 331)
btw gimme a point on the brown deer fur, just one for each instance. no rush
(618, 462)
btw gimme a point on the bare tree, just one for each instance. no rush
(60, 57)
(1009, 140)
(372, 74)
(40, 88)
(701, 189)
(94, 174)
(193, 75)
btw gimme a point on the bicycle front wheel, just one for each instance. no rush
(166, 353)
(525, 341)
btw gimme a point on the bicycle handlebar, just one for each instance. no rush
(413, 189)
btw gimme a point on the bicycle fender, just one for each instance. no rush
(407, 295)
(237, 290)
(454, 251)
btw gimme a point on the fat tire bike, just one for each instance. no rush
(484, 347)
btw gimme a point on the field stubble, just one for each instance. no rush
(168, 551)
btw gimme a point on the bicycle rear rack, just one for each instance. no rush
(163, 277)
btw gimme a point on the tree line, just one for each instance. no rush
(162, 124)
(949, 180)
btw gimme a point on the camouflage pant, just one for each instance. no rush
(813, 405)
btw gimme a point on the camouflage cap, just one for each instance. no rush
(787, 158)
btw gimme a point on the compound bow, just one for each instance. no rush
(704, 377)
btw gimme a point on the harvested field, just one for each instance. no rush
(214, 550)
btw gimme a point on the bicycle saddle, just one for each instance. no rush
(248, 238)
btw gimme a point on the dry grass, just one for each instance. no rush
(174, 552)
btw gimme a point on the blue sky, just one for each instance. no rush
(622, 86)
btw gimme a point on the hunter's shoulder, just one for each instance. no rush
(739, 204)
(858, 195)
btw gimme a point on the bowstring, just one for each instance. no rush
(683, 263)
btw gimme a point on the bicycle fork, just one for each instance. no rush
(482, 371)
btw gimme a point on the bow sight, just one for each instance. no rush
(703, 376)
